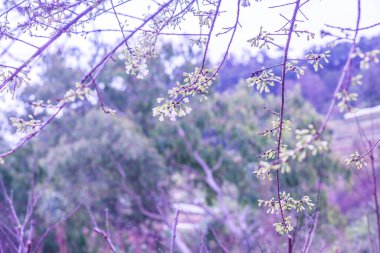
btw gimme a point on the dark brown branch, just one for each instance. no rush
(231, 38)
(100, 98)
(258, 72)
(104, 233)
(87, 76)
(117, 18)
(143, 30)
(271, 110)
(352, 29)
(31, 135)
(47, 44)
(52, 226)
(311, 233)
(13, 7)
(209, 35)
(6, 66)
(220, 244)
(22, 41)
(210, 180)
(342, 78)
(369, 151)
(370, 237)
(110, 9)
(376, 199)
(109, 54)
(279, 141)
(281, 5)
(174, 231)
(23, 229)
(9, 200)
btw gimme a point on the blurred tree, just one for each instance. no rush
(118, 154)
(139, 169)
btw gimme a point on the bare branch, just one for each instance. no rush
(104, 233)
(279, 141)
(220, 244)
(376, 199)
(47, 44)
(353, 29)
(174, 231)
(52, 226)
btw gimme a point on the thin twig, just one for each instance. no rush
(220, 244)
(52, 226)
(174, 231)
(90, 75)
(342, 78)
(101, 232)
(47, 44)
(311, 233)
(281, 5)
(374, 178)
(353, 29)
(279, 141)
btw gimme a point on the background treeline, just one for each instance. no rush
(131, 172)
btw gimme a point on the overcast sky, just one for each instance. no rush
(319, 12)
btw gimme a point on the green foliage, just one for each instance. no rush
(82, 151)
(124, 151)
(135, 166)
(103, 161)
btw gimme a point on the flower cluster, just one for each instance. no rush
(284, 227)
(316, 59)
(346, 99)
(265, 169)
(17, 81)
(357, 159)
(367, 58)
(25, 126)
(262, 79)
(294, 68)
(194, 83)
(306, 142)
(357, 80)
(136, 58)
(80, 92)
(261, 40)
(288, 203)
